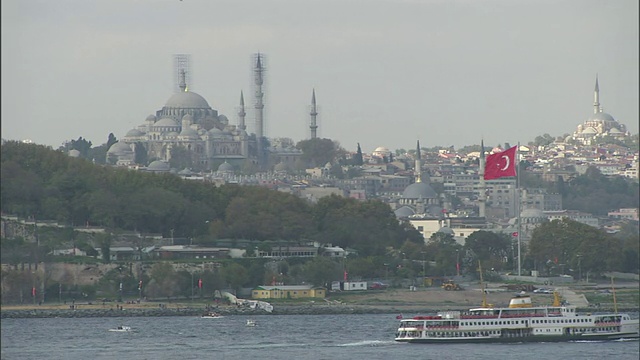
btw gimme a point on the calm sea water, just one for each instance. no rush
(274, 337)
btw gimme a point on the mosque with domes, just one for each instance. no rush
(599, 125)
(186, 120)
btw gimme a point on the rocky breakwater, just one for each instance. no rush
(173, 310)
(121, 312)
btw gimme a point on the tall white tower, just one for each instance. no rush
(258, 72)
(596, 98)
(314, 114)
(418, 163)
(241, 113)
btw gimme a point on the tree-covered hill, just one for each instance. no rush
(37, 181)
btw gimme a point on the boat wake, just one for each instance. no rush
(369, 343)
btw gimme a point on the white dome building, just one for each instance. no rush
(187, 121)
(599, 125)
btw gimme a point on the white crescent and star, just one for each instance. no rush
(508, 163)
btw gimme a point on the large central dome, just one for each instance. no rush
(187, 99)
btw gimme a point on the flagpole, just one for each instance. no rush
(518, 205)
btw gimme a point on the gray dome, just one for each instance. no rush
(404, 212)
(185, 172)
(119, 148)
(602, 116)
(216, 133)
(419, 190)
(447, 230)
(166, 122)
(134, 132)
(189, 132)
(225, 166)
(152, 118)
(159, 165)
(188, 117)
(187, 99)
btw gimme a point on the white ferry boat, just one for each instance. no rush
(520, 322)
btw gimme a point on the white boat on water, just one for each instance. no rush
(251, 323)
(519, 322)
(121, 329)
(212, 315)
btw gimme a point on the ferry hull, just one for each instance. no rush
(536, 338)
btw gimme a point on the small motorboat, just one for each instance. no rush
(121, 329)
(251, 322)
(211, 315)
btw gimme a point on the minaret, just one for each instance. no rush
(259, 106)
(183, 82)
(418, 165)
(482, 197)
(313, 113)
(596, 98)
(241, 113)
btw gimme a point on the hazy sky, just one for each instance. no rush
(386, 72)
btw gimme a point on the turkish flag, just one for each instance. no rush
(200, 283)
(501, 164)
(345, 275)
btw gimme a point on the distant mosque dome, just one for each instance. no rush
(166, 122)
(189, 133)
(159, 166)
(152, 118)
(446, 230)
(602, 116)
(74, 153)
(225, 167)
(419, 190)
(404, 212)
(119, 149)
(187, 99)
(134, 133)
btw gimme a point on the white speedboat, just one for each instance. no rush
(121, 329)
(212, 315)
(251, 322)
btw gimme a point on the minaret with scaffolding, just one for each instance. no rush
(182, 72)
(258, 73)
(314, 113)
(241, 113)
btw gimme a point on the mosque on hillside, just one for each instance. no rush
(186, 120)
(599, 125)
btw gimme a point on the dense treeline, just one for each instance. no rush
(39, 182)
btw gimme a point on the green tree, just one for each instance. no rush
(559, 245)
(357, 159)
(490, 248)
(321, 271)
(235, 275)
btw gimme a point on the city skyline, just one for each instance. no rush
(385, 74)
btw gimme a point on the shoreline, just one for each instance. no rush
(230, 310)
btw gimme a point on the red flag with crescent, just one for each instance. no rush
(501, 164)
(200, 283)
